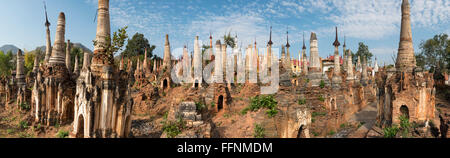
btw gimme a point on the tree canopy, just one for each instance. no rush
(435, 53)
(363, 51)
(6, 63)
(229, 40)
(136, 46)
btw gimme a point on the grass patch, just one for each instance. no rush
(10, 131)
(259, 131)
(226, 115)
(263, 101)
(390, 132)
(315, 133)
(25, 135)
(331, 132)
(315, 114)
(173, 129)
(23, 125)
(62, 134)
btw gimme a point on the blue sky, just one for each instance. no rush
(374, 22)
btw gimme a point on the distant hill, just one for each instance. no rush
(78, 45)
(9, 47)
(14, 49)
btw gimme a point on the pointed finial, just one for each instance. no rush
(336, 42)
(167, 39)
(304, 46)
(46, 17)
(345, 41)
(287, 38)
(270, 38)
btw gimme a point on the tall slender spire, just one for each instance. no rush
(405, 57)
(76, 68)
(287, 39)
(20, 73)
(103, 27)
(58, 55)
(345, 45)
(167, 55)
(337, 62)
(86, 62)
(270, 38)
(314, 60)
(36, 64)
(210, 40)
(68, 58)
(121, 66)
(336, 42)
(48, 48)
(304, 46)
(145, 66)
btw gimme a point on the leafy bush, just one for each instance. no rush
(302, 101)
(361, 124)
(259, 102)
(245, 110)
(173, 128)
(321, 98)
(404, 125)
(25, 106)
(404, 122)
(272, 112)
(23, 124)
(314, 114)
(259, 131)
(315, 133)
(10, 131)
(62, 134)
(200, 106)
(322, 84)
(331, 132)
(390, 132)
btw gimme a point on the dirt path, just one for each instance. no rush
(366, 118)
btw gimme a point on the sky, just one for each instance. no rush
(374, 22)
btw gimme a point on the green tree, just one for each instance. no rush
(116, 44)
(29, 62)
(77, 52)
(229, 40)
(136, 48)
(6, 63)
(363, 51)
(436, 52)
(420, 60)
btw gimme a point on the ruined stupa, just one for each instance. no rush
(103, 101)
(407, 91)
(315, 74)
(54, 88)
(406, 60)
(336, 80)
(197, 61)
